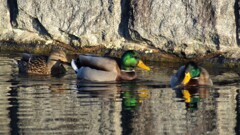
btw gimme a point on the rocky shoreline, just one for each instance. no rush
(146, 53)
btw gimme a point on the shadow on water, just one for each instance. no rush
(148, 105)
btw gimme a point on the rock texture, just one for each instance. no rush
(185, 28)
(5, 26)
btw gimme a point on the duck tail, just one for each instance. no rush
(74, 66)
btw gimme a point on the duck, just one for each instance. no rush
(191, 74)
(103, 68)
(42, 64)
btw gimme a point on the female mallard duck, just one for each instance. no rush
(95, 68)
(43, 65)
(191, 75)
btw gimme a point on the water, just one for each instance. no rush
(65, 105)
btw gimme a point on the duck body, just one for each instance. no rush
(202, 79)
(41, 64)
(33, 64)
(94, 68)
(101, 69)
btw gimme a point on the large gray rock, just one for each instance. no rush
(182, 27)
(85, 22)
(5, 26)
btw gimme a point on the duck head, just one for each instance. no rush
(131, 59)
(191, 71)
(57, 57)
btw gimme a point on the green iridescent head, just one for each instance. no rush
(191, 71)
(131, 59)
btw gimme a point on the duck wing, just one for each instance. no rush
(204, 78)
(96, 62)
(32, 63)
(178, 77)
(38, 64)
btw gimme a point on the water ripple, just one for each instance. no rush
(65, 105)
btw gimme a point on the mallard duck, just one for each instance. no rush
(43, 65)
(191, 75)
(96, 68)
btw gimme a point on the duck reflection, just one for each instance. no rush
(200, 106)
(130, 93)
(108, 91)
(133, 99)
(118, 102)
(192, 96)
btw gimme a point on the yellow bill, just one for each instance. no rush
(142, 65)
(186, 79)
(187, 96)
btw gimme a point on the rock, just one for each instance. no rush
(184, 28)
(5, 27)
(74, 22)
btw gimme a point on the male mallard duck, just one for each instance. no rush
(95, 68)
(41, 64)
(191, 75)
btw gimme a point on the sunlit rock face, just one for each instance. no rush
(186, 28)
(75, 22)
(5, 26)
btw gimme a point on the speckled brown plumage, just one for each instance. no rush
(40, 64)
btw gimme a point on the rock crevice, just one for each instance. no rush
(13, 9)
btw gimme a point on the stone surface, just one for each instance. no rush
(183, 28)
(5, 26)
(74, 22)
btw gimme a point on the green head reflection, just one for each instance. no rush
(191, 100)
(132, 99)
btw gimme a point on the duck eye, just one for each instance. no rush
(135, 56)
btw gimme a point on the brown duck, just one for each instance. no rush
(43, 65)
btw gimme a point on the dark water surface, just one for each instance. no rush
(65, 105)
